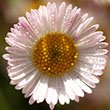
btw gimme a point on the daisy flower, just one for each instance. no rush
(54, 55)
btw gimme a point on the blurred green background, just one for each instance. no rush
(11, 99)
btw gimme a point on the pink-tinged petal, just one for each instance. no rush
(87, 32)
(51, 106)
(90, 40)
(71, 19)
(52, 17)
(24, 80)
(82, 27)
(66, 17)
(33, 19)
(60, 17)
(23, 22)
(30, 87)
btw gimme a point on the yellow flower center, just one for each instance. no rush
(55, 54)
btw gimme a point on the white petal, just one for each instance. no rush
(61, 92)
(61, 13)
(41, 91)
(93, 59)
(71, 19)
(33, 18)
(78, 21)
(97, 72)
(83, 26)
(29, 87)
(50, 98)
(21, 73)
(87, 32)
(15, 57)
(24, 36)
(77, 98)
(90, 40)
(16, 42)
(24, 66)
(87, 75)
(41, 20)
(51, 106)
(18, 61)
(68, 83)
(55, 92)
(76, 89)
(54, 18)
(49, 91)
(18, 51)
(23, 22)
(65, 19)
(86, 81)
(25, 80)
(91, 51)
(83, 86)
(45, 20)
(20, 36)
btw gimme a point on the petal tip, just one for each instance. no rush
(51, 106)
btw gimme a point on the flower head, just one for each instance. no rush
(54, 55)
